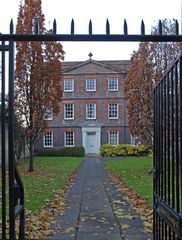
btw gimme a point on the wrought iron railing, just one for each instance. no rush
(167, 154)
(108, 36)
(16, 191)
(167, 202)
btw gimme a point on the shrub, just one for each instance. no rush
(124, 150)
(144, 150)
(121, 150)
(107, 150)
(131, 150)
(61, 152)
(74, 151)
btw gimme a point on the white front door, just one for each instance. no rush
(91, 141)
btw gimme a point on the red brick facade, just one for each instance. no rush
(93, 107)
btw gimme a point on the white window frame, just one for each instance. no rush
(65, 140)
(134, 140)
(112, 89)
(46, 115)
(44, 139)
(94, 113)
(72, 85)
(117, 137)
(109, 111)
(68, 118)
(87, 85)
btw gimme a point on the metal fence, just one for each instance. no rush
(167, 155)
(12, 187)
(168, 129)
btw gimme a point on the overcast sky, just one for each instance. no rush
(98, 10)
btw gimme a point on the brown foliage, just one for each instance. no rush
(38, 72)
(147, 66)
(139, 203)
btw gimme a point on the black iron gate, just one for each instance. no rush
(168, 153)
(10, 177)
(167, 139)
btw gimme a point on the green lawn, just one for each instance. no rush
(50, 175)
(136, 173)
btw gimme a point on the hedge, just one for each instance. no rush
(62, 151)
(108, 150)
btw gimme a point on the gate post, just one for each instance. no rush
(16, 191)
(3, 140)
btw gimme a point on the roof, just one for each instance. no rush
(93, 66)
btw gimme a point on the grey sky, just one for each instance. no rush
(98, 10)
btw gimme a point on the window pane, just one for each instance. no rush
(113, 138)
(69, 139)
(91, 84)
(113, 84)
(48, 114)
(68, 111)
(113, 110)
(68, 85)
(91, 111)
(48, 139)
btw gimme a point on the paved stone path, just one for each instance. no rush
(96, 209)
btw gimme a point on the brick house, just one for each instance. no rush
(93, 107)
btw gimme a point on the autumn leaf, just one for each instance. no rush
(124, 226)
(139, 204)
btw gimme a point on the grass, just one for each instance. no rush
(50, 174)
(136, 173)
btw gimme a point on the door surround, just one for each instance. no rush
(86, 131)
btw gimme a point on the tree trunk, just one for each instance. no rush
(31, 157)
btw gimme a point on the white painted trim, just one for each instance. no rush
(112, 90)
(117, 111)
(65, 139)
(95, 112)
(117, 137)
(65, 112)
(51, 138)
(72, 90)
(50, 118)
(91, 90)
(98, 137)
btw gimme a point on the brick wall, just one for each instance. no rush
(80, 71)
(101, 85)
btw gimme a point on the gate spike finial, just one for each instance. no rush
(54, 26)
(125, 28)
(90, 27)
(160, 27)
(107, 27)
(142, 28)
(11, 27)
(72, 27)
(177, 27)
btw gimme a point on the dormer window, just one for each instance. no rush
(90, 84)
(68, 85)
